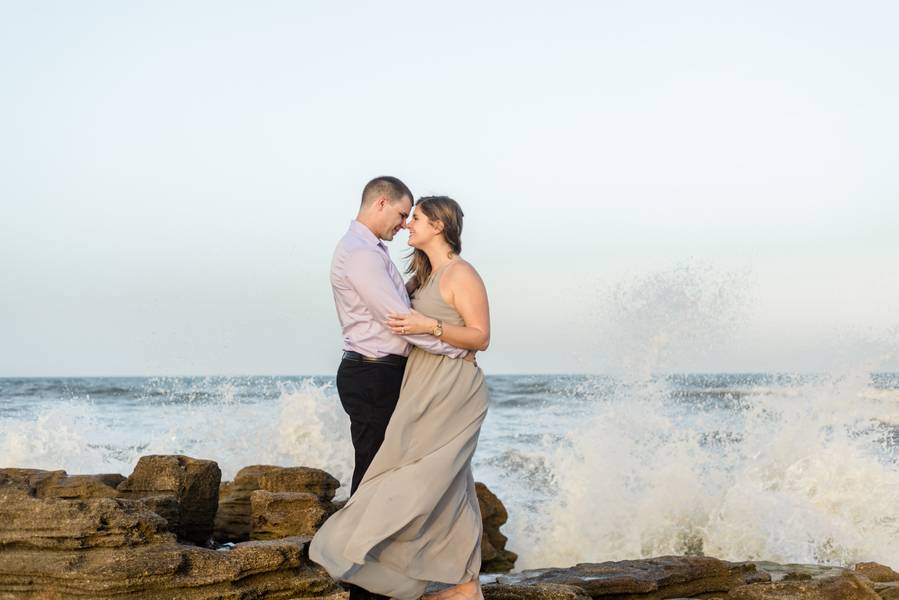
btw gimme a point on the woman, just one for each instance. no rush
(414, 518)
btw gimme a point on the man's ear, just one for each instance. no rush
(381, 202)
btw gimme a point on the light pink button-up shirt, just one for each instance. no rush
(367, 286)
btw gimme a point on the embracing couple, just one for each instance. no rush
(416, 400)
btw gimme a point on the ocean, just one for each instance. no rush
(789, 468)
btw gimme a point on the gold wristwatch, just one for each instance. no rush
(438, 330)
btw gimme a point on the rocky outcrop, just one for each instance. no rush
(170, 571)
(51, 524)
(882, 579)
(876, 572)
(232, 520)
(300, 479)
(181, 489)
(494, 556)
(281, 514)
(93, 536)
(690, 577)
(535, 591)
(59, 484)
(235, 518)
(106, 536)
(647, 579)
(846, 586)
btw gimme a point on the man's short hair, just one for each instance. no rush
(393, 188)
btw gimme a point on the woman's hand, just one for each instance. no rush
(411, 323)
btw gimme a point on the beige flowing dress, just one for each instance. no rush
(414, 518)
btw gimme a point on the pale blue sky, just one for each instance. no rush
(174, 175)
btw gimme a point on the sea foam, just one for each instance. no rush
(629, 464)
(792, 472)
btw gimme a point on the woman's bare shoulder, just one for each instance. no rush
(463, 274)
(462, 269)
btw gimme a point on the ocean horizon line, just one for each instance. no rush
(497, 374)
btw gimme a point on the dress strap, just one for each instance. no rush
(436, 275)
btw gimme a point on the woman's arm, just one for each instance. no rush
(468, 296)
(463, 288)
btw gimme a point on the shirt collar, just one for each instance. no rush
(366, 234)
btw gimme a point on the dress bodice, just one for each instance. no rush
(428, 301)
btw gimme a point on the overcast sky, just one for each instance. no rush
(174, 176)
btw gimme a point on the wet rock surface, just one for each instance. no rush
(845, 586)
(300, 479)
(99, 537)
(106, 536)
(235, 517)
(181, 489)
(274, 569)
(876, 572)
(281, 514)
(537, 591)
(653, 578)
(494, 556)
(30, 521)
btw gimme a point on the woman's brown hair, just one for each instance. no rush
(447, 211)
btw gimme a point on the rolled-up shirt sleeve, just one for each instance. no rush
(366, 274)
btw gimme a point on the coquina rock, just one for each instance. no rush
(535, 591)
(300, 479)
(65, 536)
(647, 579)
(232, 519)
(281, 514)
(876, 572)
(181, 489)
(30, 517)
(59, 484)
(841, 587)
(260, 570)
(235, 517)
(101, 537)
(494, 556)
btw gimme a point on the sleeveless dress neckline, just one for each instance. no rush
(436, 275)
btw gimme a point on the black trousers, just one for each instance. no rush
(368, 392)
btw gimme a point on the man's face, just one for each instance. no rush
(395, 215)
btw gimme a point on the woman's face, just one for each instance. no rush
(421, 230)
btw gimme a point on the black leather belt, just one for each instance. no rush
(390, 359)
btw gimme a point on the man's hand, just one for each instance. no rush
(471, 357)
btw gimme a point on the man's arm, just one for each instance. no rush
(365, 272)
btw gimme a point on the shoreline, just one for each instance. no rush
(173, 530)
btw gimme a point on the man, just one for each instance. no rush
(367, 286)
